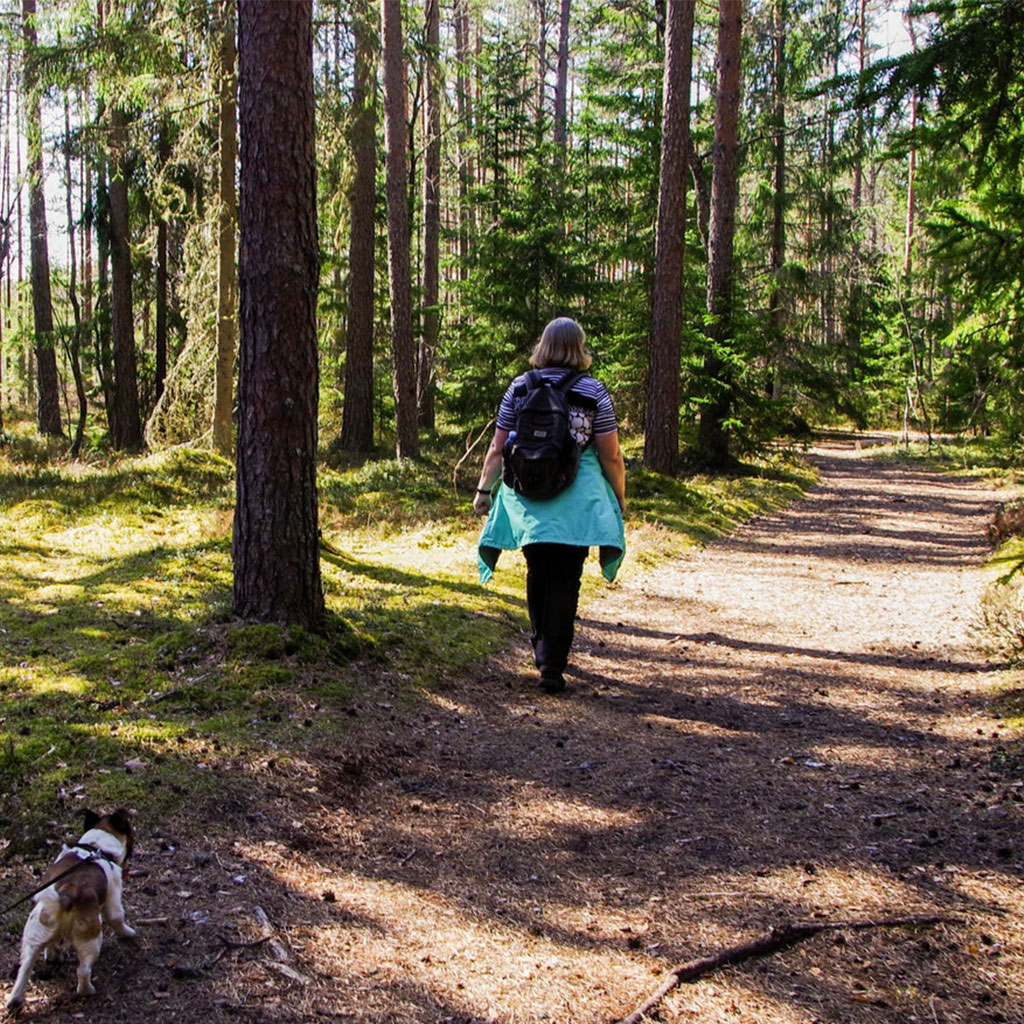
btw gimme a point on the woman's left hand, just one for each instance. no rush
(482, 503)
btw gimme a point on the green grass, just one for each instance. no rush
(124, 678)
(980, 455)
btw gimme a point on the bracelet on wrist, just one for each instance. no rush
(482, 490)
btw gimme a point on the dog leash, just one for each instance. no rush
(93, 854)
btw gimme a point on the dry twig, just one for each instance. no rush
(470, 445)
(781, 937)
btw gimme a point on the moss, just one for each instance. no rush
(260, 640)
(122, 671)
(258, 677)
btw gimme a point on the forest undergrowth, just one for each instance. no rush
(120, 652)
(430, 841)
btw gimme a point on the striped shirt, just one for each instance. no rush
(590, 406)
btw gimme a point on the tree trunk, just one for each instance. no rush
(101, 319)
(712, 435)
(87, 285)
(777, 256)
(399, 270)
(561, 126)
(431, 314)
(160, 304)
(858, 162)
(542, 67)
(276, 537)
(357, 418)
(908, 233)
(49, 419)
(463, 116)
(227, 222)
(160, 296)
(127, 423)
(661, 424)
(702, 192)
(6, 208)
(908, 258)
(855, 298)
(73, 347)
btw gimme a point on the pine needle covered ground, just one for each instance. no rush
(386, 821)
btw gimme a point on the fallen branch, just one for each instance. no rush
(780, 937)
(228, 944)
(277, 950)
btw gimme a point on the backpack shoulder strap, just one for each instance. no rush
(569, 380)
(527, 384)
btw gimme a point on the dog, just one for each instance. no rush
(71, 910)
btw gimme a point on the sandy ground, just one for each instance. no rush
(795, 724)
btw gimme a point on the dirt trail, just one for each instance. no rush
(793, 724)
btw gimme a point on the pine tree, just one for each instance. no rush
(431, 313)
(399, 262)
(276, 537)
(126, 421)
(49, 419)
(661, 424)
(357, 416)
(712, 447)
(227, 220)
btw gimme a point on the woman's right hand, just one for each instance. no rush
(482, 503)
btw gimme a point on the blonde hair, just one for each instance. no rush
(563, 343)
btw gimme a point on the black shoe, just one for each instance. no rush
(552, 682)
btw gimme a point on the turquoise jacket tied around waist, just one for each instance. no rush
(585, 514)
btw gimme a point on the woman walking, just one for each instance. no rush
(555, 533)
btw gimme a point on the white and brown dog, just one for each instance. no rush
(70, 911)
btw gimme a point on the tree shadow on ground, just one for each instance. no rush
(491, 853)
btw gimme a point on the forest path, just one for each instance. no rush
(791, 724)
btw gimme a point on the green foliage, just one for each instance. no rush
(968, 78)
(529, 236)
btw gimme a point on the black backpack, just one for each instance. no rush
(541, 456)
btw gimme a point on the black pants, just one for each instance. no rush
(553, 574)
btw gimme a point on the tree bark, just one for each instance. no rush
(908, 233)
(431, 314)
(399, 270)
(227, 223)
(856, 292)
(48, 408)
(160, 296)
(777, 256)
(73, 347)
(464, 131)
(712, 435)
(357, 418)
(858, 161)
(276, 536)
(661, 425)
(127, 423)
(542, 67)
(702, 192)
(561, 124)
(5, 223)
(101, 321)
